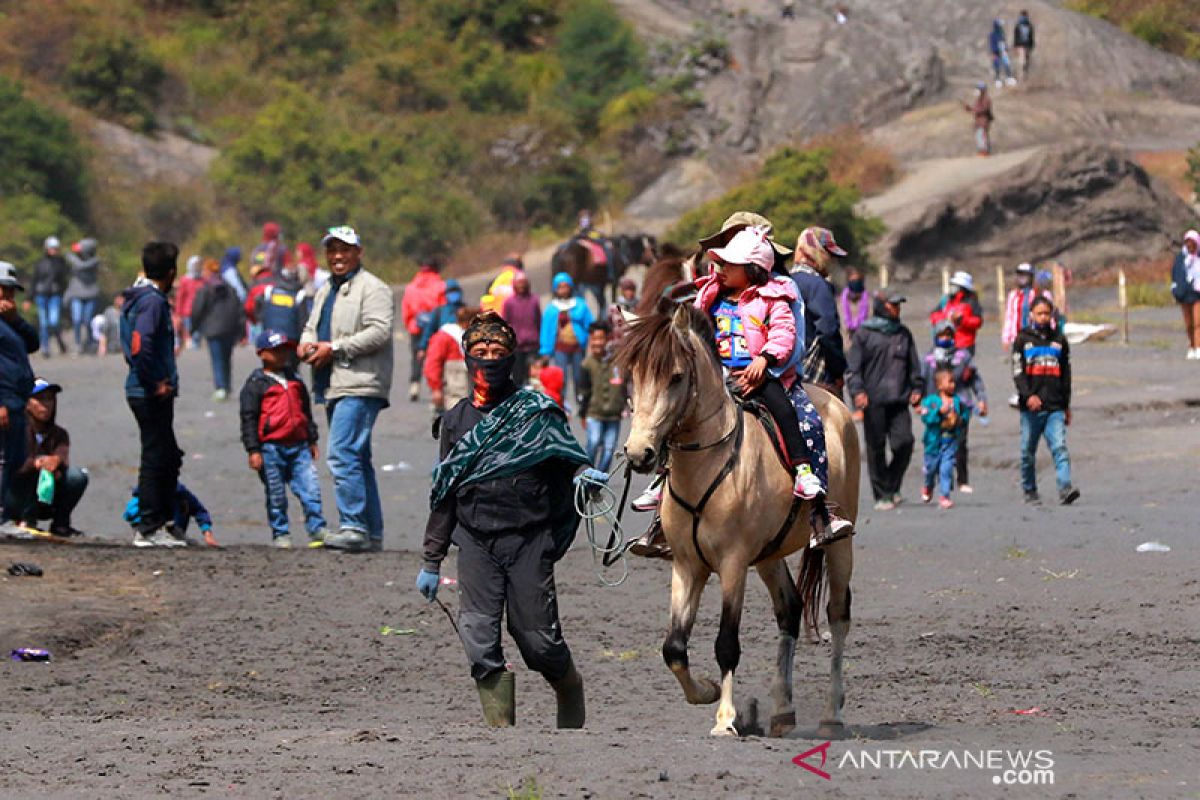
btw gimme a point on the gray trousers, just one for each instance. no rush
(512, 571)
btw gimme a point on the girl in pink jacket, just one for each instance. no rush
(756, 329)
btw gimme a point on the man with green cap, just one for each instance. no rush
(502, 492)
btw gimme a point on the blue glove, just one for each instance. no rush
(592, 475)
(427, 584)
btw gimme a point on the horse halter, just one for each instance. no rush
(695, 398)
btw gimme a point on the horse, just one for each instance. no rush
(725, 519)
(575, 259)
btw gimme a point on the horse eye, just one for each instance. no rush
(676, 379)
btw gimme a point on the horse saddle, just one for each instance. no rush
(760, 412)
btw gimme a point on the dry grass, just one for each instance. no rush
(484, 253)
(1170, 166)
(1148, 271)
(856, 161)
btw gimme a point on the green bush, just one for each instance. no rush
(39, 153)
(794, 191)
(114, 75)
(600, 57)
(27, 220)
(516, 24)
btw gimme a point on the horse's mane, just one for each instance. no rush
(665, 273)
(652, 344)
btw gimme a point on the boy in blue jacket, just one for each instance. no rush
(941, 411)
(148, 342)
(185, 507)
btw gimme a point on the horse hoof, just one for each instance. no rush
(831, 729)
(782, 724)
(723, 729)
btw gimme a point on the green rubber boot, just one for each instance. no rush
(568, 691)
(498, 694)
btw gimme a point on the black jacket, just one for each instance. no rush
(883, 362)
(529, 502)
(821, 322)
(17, 340)
(50, 275)
(217, 312)
(1023, 33)
(1042, 366)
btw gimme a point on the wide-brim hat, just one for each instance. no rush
(739, 221)
(963, 280)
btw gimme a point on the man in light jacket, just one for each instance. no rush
(348, 342)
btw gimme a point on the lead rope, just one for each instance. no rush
(594, 500)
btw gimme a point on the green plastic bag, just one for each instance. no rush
(45, 487)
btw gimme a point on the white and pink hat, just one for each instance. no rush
(748, 246)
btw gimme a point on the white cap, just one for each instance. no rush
(342, 233)
(52, 243)
(963, 280)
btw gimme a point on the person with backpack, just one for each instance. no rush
(49, 282)
(1001, 63)
(1023, 43)
(424, 293)
(960, 307)
(218, 316)
(83, 290)
(969, 390)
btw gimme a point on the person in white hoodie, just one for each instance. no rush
(1185, 287)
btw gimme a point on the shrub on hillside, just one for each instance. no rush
(27, 220)
(794, 190)
(1171, 25)
(39, 154)
(600, 57)
(116, 76)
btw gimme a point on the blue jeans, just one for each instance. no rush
(82, 312)
(602, 437)
(291, 465)
(220, 352)
(351, 420)
(572, 366)
(939, 464)
(49, 308)
(1053, 426)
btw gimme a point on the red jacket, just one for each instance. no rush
(272, 413)
(553, 381)
(963, 309)
(185, 293)
(425, 292)
(443, 346)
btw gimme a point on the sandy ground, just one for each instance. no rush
(248, 672)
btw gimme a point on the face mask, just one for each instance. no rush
(491, 380)
(945, 344)
(857, 287)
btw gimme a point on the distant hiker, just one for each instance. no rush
(184, 507)
(311, 273)
(548, 379)
(185, 296)
(961, 307)
(280, 437)
(501, 287)
(151, 388)
(230, 274)
(49, 282)
(424, 293)
(1042, 372)
(17, 340)
(83, 290)
(502, 491)
(968, 388)
(218, 316)
(981, 110)
(272, 249)
(283, 304)
(46, 486)
(1019, 303)
(825, 359)
(106, 326)
(1001, 63)
(601, 398)
(261, 277)
(1185, 288)
(445, 369)
(523, 311)
(941, 412)
(627, 300)
(884, 378)
(855, 301)
(565, 324)
(348, 343)
(1023, 43)
(788, 9)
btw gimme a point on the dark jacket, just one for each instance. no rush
(1023, 33)
(884, 362)
(1042, 366)
(440, 316)
(55, 442)
(186, 507)
(968, 383)
(524, 313)
(272, 413)
(148, 340)
(599, 397)
(529, 502)
(17, 340)
(85, 272)
(1181, 288)
(283, 306)
(50, 275)
(216, 311)
(821, 323)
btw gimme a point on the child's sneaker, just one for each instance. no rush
(807, 484)
(926, 494)
(945, 503)
(164, 538)
(649, 499)
(283, 542)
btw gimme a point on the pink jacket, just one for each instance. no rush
(767, 320)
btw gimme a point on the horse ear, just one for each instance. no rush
(629, 316)
(680, 318)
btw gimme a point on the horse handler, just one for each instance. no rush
(503, 493)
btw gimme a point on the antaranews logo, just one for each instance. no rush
(1008, 767)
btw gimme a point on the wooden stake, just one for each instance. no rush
(883, 276)
(945, 280)
(1123, 302)
(1000, 290)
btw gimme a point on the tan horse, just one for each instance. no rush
(680, 403)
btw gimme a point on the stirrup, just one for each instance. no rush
(828, 531)
(652, 543)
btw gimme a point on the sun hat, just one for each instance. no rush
(342, 233)
(738, 221)
(748, 246)
(963, 280)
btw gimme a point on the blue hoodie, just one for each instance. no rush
(444, 314)
(186, 507)
(996, 39)
(17, 340)
(147, 340)
(230, 274)
(577, 310)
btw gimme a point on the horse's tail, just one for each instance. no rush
(812, 586)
